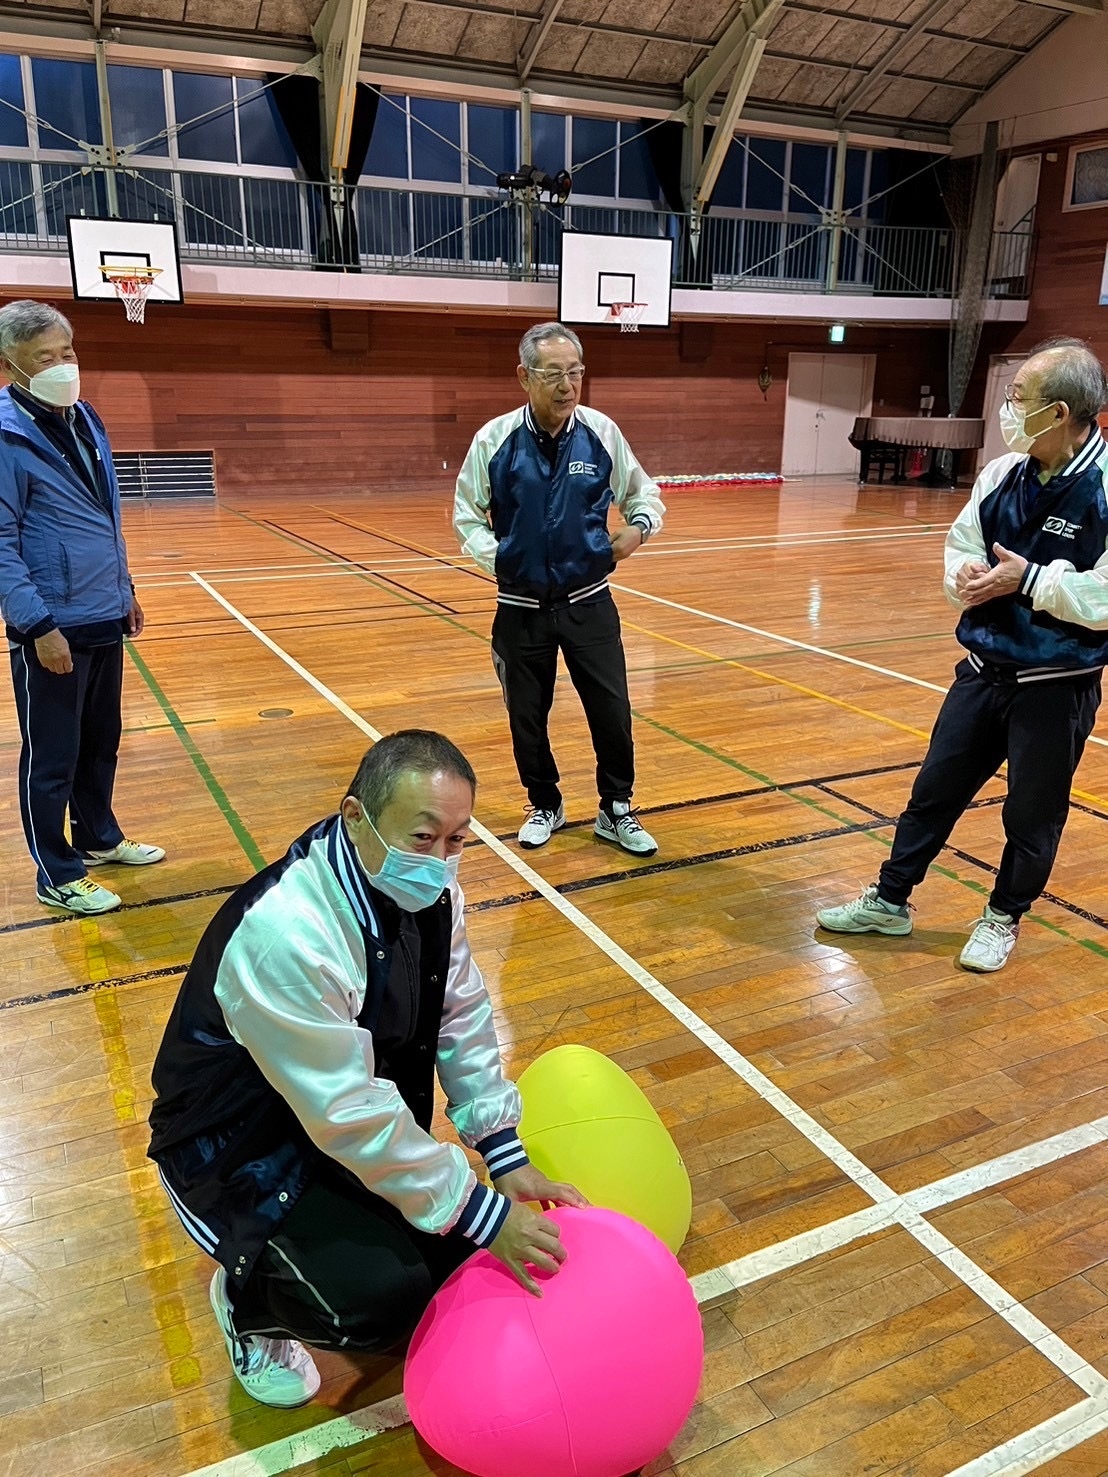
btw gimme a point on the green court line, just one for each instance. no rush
(153, 727)
(968, 882)
(215, 789)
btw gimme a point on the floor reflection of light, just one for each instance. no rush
(815, 600)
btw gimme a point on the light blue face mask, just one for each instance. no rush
(412, 880)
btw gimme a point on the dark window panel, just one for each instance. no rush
(273, 214)
(384, 223)
(438, 227)
(592, 136)
(388, 145)
(765, 164)
(17, 206)
(213, 210)
(65, 97)
(262, 135)
(71, 191)
(548, 142)
(13, 124)
(637, 179)
(146, 195)
(729, 185)
(137, 96)
(194, 96)
(809, 179)
(493, 139)
(436, 155)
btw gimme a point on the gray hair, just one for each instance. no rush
(410, 751)
(540, 334)
(1072, 373)
(24, 320)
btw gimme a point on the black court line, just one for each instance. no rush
(68, 991)
(967, 856)
(358, 564)
(151, 902)
(184, 897)
(727, 795)
(678, 864)
(583, 884)
(399, 543)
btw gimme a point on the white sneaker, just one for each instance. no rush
(277, 1372)
(868, 913)
(82, 896)
(540, 825)
(990, 943)
(127, 853)
(624, 828)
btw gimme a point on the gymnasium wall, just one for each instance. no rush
(399, 394)
(1069, 260)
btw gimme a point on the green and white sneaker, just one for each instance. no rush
(868, 913)
(275, 1371)
(83, 896)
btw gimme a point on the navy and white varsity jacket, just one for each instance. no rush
(308, 1029)
(1056, 624)
(542, 527)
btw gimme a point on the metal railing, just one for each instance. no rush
(267, 221)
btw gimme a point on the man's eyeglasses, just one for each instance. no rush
(556, 376)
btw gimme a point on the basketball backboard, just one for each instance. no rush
(597, 271)
(95, 243)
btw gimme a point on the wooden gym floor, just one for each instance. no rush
(900, 1239)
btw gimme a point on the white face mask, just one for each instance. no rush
(1013, 427)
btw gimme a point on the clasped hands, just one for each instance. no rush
(975, 583)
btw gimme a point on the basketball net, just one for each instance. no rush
(132, 287)
(627, 315)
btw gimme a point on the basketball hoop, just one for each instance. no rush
(132, 286)
(627, 315)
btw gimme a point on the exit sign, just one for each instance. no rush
(837, 333)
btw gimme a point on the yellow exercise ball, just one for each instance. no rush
(586, 1123)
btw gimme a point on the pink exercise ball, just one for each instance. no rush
(593, 1379)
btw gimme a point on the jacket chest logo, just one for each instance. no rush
(1061, 527)
(582, 469)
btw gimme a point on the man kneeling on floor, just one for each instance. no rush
(295, 1084)
(1027, 566)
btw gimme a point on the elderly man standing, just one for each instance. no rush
(67, 601)
(1026, 563)
(531, 507)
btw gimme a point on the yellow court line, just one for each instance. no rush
(728, 661)
(812, 692)
(825, 697)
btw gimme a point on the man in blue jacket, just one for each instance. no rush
(67, 600)
(531, 507)
(1027, 565)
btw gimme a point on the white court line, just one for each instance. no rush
(426, 563)
(851, 538)
(802, 532)
(903, 1213)
(1032, 1449)
(308, 1445)
(413, 563)
(835, 656)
